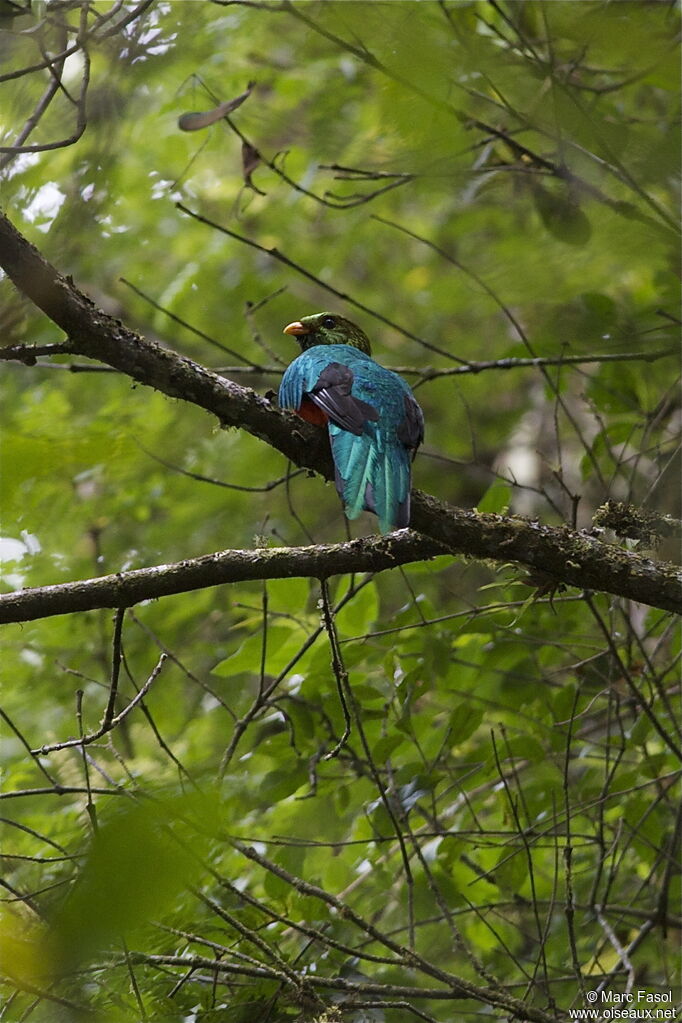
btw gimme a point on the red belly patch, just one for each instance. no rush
(312, 413)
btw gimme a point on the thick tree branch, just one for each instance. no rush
(94, 334)
(564, 555)
(472, 533)
(123, 589)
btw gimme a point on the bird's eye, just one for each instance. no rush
(329, 322)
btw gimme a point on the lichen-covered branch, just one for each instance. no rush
(560, 554)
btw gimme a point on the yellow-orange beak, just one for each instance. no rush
(296, 328)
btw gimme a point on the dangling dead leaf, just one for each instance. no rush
(250, 160)
(546, 585)
(195, 121)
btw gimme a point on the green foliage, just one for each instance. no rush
(135, 869)
(496, 181)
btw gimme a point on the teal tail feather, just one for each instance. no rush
(372, 473)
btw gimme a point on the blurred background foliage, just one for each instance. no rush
(472, 182)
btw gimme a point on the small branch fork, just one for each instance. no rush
(110, 721)
(104, 26)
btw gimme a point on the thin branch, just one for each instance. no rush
(109, 724)
(328, 199)
(310, 932)
(48, 62)
(521, 363)
(90, 803)
(634, 689)
(28, 354)
(625, 955)
(53, 87)
(338, 667)
(264, 489)
(521, 831)
(275, 253)
(59, 790)
(622, 953)
(348, 699)
(455, 987)
(252, 366)
(116, 658)
(131, 15)
(671, 868)
(24, 742)
(569, 906)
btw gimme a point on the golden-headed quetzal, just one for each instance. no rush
(375, 425)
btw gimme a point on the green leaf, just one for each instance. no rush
(562, 216)
(360, 613)
(386, 746)
(281, 643)
(496, 499)
(134, 871)
(463, 722)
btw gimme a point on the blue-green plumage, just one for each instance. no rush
(375, 425)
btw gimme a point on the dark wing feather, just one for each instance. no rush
(332, 393)
(411, 430)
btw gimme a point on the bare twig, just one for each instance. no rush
(338, 667)
(109, 722)
(667, 738)
(253, 366)
(282, 258)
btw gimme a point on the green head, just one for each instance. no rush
(327, 329)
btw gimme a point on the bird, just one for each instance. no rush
(374, 422)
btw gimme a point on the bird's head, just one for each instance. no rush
(327, 329)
